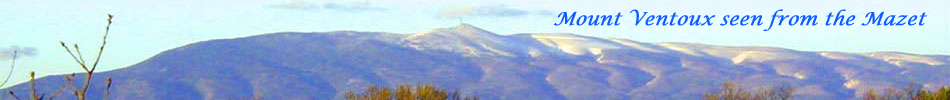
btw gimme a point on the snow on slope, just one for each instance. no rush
(469, 40)
(900, 59)
(474, 41)
(535, 66)
(575, 44)
(464, 38)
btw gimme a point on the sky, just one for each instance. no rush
(144, 28)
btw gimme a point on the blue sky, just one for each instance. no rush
(147, 27)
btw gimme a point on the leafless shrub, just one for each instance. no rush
(406, 92)
(9, 74)
(89, 70)
(733, 91)
(12, 65)
(911, 92)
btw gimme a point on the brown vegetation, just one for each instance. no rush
(406, 92)
(733, 91)
(911, 92)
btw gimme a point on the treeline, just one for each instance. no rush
(406, 92)
(733, 91)
(911, 92)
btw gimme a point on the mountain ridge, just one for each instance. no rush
(323, 65)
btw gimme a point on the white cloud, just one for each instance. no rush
(489, 11)
(338, 6)
(7, 53)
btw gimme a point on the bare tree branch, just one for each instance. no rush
(11, 69)
(81, 64)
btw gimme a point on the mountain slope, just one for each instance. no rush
(535, 66)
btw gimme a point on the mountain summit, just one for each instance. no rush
(535, 66)
(462, 38)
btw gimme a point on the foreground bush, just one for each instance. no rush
(732, 91)
(911, 92)
(406, 92)
(89, 69)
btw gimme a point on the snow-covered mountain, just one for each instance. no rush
(530, 66)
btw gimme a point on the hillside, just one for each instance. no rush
(527, 66)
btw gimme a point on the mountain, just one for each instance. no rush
(528, 66)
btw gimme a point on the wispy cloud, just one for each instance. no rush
(7, 53)
(338, 6)
(489, 11)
